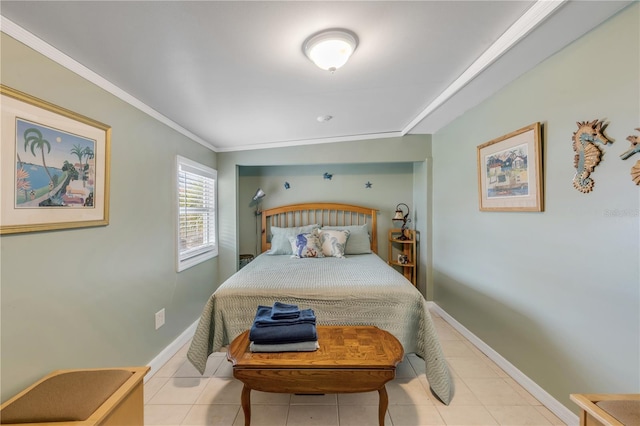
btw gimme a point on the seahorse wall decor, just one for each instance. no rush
(635, 148)
(588, 154)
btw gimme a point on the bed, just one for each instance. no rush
(357, 288)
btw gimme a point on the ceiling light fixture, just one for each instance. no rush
(330, 49)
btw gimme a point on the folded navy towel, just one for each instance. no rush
(263, 318)
(309, 346)
(284, 310)
(292, 333)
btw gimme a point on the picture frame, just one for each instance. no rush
(510, 172)
(54, 167)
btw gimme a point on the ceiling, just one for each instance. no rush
(232, 75)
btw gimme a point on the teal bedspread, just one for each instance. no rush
(356, 290)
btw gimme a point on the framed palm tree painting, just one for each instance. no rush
(54, 166)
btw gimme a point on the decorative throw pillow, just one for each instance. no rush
(333, 242)
(280, 237)
(358, 242)
(306, 245)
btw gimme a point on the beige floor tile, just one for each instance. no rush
(258, 397)
(471, 367)
(212, 415)
(445, 331)
(466, 416)
(494, 391)
(360, 398)
(171, 366)
(484, 395)
(456, 348)
(179, 391)
(434, 314)
(265, 415)
(165, 415)
(181, 354)
(415, 415)
(477, 352)
(552, 418)
(408, 391)
(312, 415)
(152, 386)
(462, 395)
(522, 391)
(326, 399)
(404, 369)
(225, 369)
(188, 370)
(361, 415)
(220, 390)
(517, 415)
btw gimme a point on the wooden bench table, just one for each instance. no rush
(602, 409)
(83, 397)
(350, 359)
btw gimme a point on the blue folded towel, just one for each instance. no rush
(263, 318)
(284, 310)
(292, 333)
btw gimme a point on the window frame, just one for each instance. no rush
(187, 258)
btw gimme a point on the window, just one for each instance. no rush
(197, 211)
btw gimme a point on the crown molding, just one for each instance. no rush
(533, 17)
(14, 30)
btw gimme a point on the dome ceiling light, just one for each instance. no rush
(330, 49)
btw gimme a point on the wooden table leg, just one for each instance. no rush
(384, 403)
(245, 400)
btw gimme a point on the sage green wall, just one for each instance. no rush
(392, 183)
(87, 297)
(556, 293)
(388, 164)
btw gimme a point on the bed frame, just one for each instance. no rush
(324, 214)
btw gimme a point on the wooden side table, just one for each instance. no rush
(350, 359)
(406, 244)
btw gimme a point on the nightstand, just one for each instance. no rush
(402, 252)
(244, 260)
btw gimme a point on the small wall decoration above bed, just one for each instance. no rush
(55, 166)
(588, 154)
(510, 172)
(635, 148)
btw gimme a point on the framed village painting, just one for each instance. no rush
(510, 172)
(54, 166)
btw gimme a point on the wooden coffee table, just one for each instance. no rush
(350, 359)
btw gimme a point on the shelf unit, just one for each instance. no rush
(398, 246)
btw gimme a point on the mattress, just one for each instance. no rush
(355, 290)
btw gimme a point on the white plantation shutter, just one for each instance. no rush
(197, 210)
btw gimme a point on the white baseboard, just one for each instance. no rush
(562, 412)
(168, 352)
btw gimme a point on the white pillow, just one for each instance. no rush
(280, 243)
(306, 245)
(333, 242)
(359, 241)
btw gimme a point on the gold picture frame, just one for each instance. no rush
(54, 166)
(510, 172)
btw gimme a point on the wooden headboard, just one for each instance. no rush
(324, 214)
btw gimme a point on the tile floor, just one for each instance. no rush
(485, 395)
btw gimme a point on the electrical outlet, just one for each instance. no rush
(159, 318)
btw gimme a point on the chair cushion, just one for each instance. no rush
(67, 397)
(625, 411)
